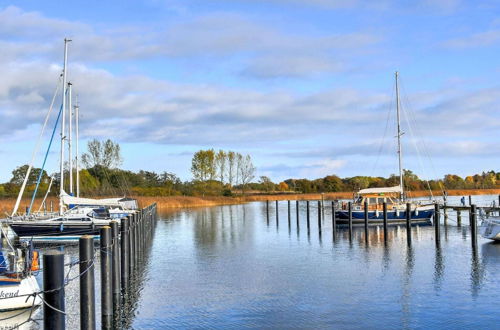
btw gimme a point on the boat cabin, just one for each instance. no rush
(375, 197)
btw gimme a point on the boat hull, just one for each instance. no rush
(422, 217)
(14, 295)
(57, 228)
(490, 229)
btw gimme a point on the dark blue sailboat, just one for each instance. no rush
(393, 197)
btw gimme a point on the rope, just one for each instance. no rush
(39, 179)
(35, 151)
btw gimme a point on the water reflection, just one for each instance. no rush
(438, 268)
(225, 267)
(477, 273)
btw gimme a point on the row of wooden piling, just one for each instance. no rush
(436, 220)
(122, 247)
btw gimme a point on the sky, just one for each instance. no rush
(306, 87)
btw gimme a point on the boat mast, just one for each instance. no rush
(70, 140)
(61, 171)
(77, 112)
(400, 155)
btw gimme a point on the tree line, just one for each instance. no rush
(214, 173)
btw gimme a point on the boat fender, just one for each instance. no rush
(376, 213)
(61, 227)
(397, 212)
(416, 212)
(34, 262)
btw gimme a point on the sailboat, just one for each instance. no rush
(394, 197)
(18, 286)
(77, 216)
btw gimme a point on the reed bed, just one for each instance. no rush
(175, 202)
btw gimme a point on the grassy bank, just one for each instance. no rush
(6, 205)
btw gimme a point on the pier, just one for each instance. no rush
(439, 219)
(122, 252)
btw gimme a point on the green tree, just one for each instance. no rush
(246, 171)
(106, 154)
(266, 184)
(20, 172)
(220, 164)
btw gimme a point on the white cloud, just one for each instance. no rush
(481, 39)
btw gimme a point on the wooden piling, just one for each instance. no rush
(277, 214)
(319, 216)
(54, 316)
(124, 240)
(115, 264)
(384, 210)
(459, 218)
(289, 214)
(349, 206)
(87, 284)
(308, 218)
(297, 212)
(473, 217)
(366, 220)
(334, 221)
(445, 213)
(106, 279)
(408, 223)
(470, 200)
(131, 243)
(267, 211)
(437, 224)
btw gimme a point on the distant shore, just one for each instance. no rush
(175, 202)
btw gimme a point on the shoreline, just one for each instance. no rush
(180, 202)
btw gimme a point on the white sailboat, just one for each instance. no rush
(76, 216)
(18, 286)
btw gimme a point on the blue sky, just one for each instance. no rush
(304, 86)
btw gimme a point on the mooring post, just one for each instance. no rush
(106, 279)
(436, 221)
(459, 218)
(408, 223)
(297, 212)
(135, 228)
(470, 200)
(53, 287)
(289, 214)
(445, 213)
(87, 286)
(319, 216)
(334, 221)
(131, 251)
(277, 214)
(115, 264)
(473, 225)
(308, 217)
(267, 211)
(124, 255)
(323, 207)
(140, 222)
(384, 210)
(138, 238)
(349, 207)
(366, 220)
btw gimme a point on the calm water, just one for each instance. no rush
(228, 267)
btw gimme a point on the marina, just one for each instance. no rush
(267, 252)
(322, 164)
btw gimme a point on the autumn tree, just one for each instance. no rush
(246, 170)
(106, 154)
